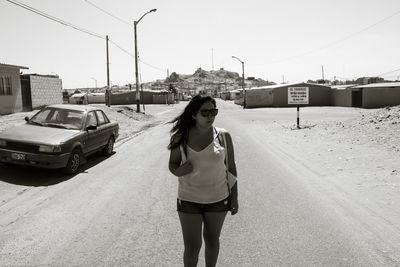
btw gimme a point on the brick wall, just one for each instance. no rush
(45, 91)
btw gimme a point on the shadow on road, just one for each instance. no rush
(31, 176)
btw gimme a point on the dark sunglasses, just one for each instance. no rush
(207, 112)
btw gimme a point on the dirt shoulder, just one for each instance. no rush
(354, 163)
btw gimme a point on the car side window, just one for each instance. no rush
(101, 118)
(105, 117)
(91, 119)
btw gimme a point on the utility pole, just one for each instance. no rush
(108, 91)
(136, 72)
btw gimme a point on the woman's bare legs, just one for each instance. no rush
(191, 230)
(213, 222)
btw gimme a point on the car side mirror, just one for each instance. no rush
(91, 127)
(27, 119)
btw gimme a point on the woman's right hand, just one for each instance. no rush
(185, 168)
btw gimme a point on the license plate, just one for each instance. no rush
(18, 156)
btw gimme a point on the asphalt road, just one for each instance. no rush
(120, 211)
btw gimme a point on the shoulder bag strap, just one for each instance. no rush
(183, 154)
(226, 160)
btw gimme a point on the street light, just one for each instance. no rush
(136, 61)
(95, 81)
(244, 90)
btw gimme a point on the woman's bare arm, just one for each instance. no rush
(175, 166)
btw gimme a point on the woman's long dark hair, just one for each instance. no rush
(185, 121)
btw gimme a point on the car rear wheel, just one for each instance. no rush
(74, 162)
(109, 148)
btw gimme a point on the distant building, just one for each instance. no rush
(40, 90)
(277, 95)
(369, 80)
(374, 95)
(10, 89)
(377, 95)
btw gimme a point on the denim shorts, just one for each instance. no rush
(199, 208)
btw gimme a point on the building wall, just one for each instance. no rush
(318, 95)
(380, 97)
(162, 99)
(147, 97)
(259, 98)
(45, 91)
(11, 103)
(341, 98)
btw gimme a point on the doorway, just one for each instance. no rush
(356, 99)
(26, 93)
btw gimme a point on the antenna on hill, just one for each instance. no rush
(323, 77)
(167, 73)
(212, 58)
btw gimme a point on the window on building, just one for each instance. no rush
(5, 86)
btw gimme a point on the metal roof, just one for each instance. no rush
(285, 85)
(2, 65)
(343, 86)
(379, 85)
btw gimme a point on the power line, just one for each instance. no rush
(149, 65)
(108, 13)
(336, 42)
(122, 49)
(54, 18)
(65, 23)
(41, 13)
(383, 74)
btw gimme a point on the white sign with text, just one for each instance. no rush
(298, 95)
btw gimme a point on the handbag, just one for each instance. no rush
(231, 179)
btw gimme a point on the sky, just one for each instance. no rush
(285, 40)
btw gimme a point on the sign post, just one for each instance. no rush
(298, 96)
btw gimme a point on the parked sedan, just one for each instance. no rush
(59, 136)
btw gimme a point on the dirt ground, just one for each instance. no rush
(359, 158)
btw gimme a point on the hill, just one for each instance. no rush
(221, 76)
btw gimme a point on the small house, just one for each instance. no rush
(11, 96)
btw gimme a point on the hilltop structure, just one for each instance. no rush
(210, 82)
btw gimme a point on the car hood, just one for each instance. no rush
(38, 134)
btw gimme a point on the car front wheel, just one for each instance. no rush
(73, 162)
(109, 148)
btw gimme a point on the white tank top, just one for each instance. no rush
(207, 182)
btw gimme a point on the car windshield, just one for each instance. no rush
(59, 118)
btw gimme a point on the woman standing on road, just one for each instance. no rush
(204, 194)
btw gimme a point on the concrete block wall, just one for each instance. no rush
(45, 91)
